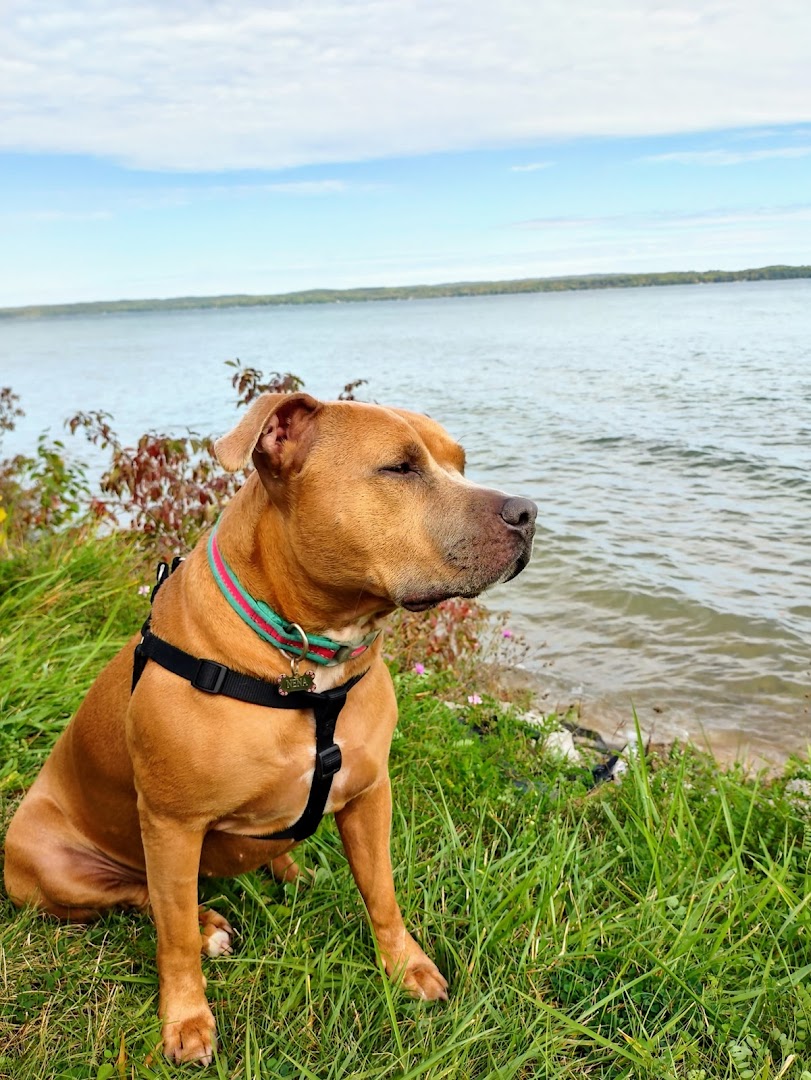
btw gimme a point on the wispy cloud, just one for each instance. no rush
(51, 216)
(726, 157)
(718, 238)
(172, 196)
(207, 87)
(307, 187)
(561, 222)
(533, 166)
(723, 217)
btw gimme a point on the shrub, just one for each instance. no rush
(39, 493)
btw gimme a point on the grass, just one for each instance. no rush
(656, 928)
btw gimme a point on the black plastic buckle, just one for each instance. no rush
(328, 761)
(209, 676)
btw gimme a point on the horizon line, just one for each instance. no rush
(362, 293)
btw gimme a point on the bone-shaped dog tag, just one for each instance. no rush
(300, 681)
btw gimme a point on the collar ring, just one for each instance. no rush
(294, 659)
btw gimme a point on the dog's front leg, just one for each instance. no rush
(365, 827)
(172, 868)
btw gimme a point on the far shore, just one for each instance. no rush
(414, 292)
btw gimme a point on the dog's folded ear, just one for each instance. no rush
(276, 431)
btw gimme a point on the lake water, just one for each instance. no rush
(665, 434)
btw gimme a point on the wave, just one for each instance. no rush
(707, 459)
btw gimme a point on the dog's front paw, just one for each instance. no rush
(417, 973)
(425, 980)
(190, 1039)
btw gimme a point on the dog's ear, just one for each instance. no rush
(275, 431)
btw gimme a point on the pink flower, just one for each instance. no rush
(506, 632)
(419, 669)
(143, 590)
(474, 699)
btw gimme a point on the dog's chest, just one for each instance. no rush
(357, 773)
(279, 795)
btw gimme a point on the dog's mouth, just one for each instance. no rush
(520, 564)
(422, 603)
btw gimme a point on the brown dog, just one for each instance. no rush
(352, 510)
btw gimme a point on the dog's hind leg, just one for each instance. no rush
(51, 866)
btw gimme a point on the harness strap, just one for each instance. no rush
(327, 764)
(214, 678)
(211, 677)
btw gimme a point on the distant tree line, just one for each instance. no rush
(419, 292)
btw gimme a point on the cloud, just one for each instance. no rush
(726, 157)
(49, 216)
(719, 238)
(723, 217)
(172, 196)
(563, 222)
(534, 166)
(185, 195)
(208, 86)
(307, 187)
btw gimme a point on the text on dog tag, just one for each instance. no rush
(289, 683)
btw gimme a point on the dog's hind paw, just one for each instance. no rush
(285, 868)
(215, 934)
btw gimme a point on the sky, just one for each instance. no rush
(197, 147)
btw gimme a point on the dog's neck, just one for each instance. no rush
(255, 540)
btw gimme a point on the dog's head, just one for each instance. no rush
(375, 502)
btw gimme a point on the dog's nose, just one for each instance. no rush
(520, 514)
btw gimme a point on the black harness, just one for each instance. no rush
(210, 677)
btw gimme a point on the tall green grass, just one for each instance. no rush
(657, 928)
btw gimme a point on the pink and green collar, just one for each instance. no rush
(272, 627)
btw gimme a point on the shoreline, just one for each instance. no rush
(456, 289)
(726, 747)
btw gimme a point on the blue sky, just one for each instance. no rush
(209, 147)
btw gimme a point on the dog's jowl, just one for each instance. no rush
(256, 699)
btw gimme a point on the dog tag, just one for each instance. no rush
(288, 684)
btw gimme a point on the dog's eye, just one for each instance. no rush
(401, 469)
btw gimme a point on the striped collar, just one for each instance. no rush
(273, 628)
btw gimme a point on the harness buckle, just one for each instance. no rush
(328, 761)
(209, 676)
